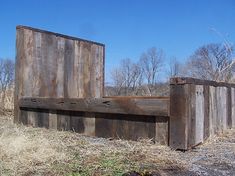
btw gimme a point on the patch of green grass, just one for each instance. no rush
(106, 164)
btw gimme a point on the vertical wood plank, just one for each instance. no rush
(229, 108)
(191, 119)
(43, 118)
(27, 76)
(70, 70)
(182, 129)
(81, 61)
(219, 109)
(179, 102)
(93, 73)
(199, 129)
(233, 106)
(32, 118)
(52, 120)
(206, 112)
(60, 67)
(23, 116)
(63, 120)
(77, 122)
(221, 122)
(104, 126)
(86, 56)
(161, 135)
(223, 108)
(97, 71)
(212, 110)
(20, 56)
(48, 66)
(89, 124)
(36, 66)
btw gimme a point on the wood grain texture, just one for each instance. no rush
(83, 122)
(189, 80)
(221, 121)
(27, 76)
(60, 67)
(191, 115)
(199, 122)
(50, 61)
(77, 124)
(179, 116)
(129, 127)
(153, 107)
(233, 107)
(43, 118)
(33, 118)
(63, 120)
(162, 130)
(52, 65)
(18, 75)
(207, 122)
(24, 116)
(89, 123)
(69, 71)
(213, 110)
(52, 120)
(229, 108)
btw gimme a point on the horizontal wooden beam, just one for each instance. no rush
(188, 80)
(133, 106)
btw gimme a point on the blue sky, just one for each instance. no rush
(126, 27)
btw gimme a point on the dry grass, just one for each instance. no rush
(9, 98)
(37, 151)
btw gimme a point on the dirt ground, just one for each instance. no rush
(38, 151)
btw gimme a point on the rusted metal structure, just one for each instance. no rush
(60, 81)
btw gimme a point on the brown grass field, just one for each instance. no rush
(37, 151)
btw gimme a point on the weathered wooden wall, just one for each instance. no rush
(59, 84)
(60, 81)
(116, 117)
(199, 109)
(56, 66)
(130, 127)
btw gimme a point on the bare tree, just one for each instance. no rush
(118, 80)
(211, 62)
(151, 63)
(136, 78)
(126, 78)
(175, 68)
(7, 67)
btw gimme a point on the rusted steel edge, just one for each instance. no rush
(189, 80)
(58, 34)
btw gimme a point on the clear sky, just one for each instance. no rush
(126, 27)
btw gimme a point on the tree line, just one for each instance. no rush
(141, 78)
(7, 70)
(209, 62)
